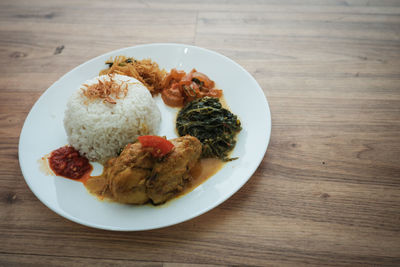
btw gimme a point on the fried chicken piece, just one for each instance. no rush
(135, 176)
(170, 175)
(124, 177)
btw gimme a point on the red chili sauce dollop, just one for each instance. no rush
(67, 162)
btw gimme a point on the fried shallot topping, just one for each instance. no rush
(105, 89)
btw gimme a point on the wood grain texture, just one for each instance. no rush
(328, 189)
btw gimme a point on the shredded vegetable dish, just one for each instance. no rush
(145, 70)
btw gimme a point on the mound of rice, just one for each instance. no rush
(99, 129)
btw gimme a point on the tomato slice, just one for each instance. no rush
(160, 146)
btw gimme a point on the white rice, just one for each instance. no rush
(99, 129)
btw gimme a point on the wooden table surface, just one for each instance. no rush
(328, 188)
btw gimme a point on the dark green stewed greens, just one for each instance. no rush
(215, 126)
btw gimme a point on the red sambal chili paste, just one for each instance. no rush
(67, 162)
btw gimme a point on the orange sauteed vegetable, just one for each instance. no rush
(181, 88)
(159, 145)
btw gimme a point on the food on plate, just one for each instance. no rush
(113, 119)
(215, 126)
(145, 71)
(177, 87)
(180, 88)
(107, 113)
(136, 176)
(66, 161)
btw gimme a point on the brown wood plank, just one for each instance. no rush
(38, 260)
(328, 189)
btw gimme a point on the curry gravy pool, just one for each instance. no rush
(204, 169)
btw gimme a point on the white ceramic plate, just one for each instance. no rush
(43, 132)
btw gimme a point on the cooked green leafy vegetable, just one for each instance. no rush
(214, 126)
